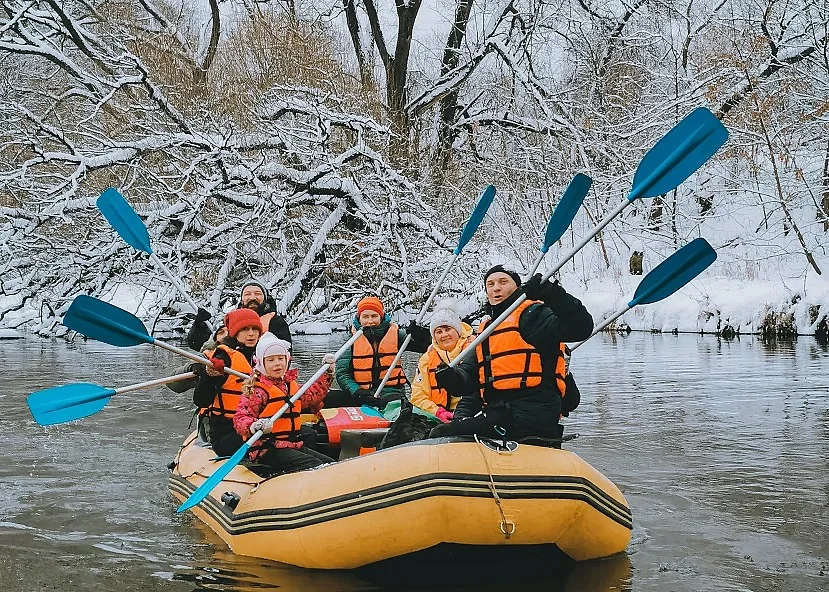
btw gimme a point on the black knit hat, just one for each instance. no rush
(514, 275)
(258, 285)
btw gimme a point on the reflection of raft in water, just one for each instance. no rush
(408, 498)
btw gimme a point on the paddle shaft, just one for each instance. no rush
(490, 327)
(420, 316)
(125, 389)
(220, 473)
(156, 382)
(603, 324)
(536, 263)
(195, 357)
(176, 282)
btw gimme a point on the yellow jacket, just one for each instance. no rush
(421, 389)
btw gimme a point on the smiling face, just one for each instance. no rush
(446, 337)
(252, 297)
(369, 318)
(248, 336)
(499, 286)
(275, 366)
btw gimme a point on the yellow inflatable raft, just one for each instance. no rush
(401, 500)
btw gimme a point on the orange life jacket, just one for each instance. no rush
(227, 399)
(266, 321)
(434, 359)
(363, 360)
(286, 427)
(205, 410)
(507, 362)
(561, 370)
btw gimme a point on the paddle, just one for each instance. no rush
(469, 229)
(220, 473)
(666, 278)
(106, 322)
(69, 402)
(129, 226)
(685, 148)
(563, 215)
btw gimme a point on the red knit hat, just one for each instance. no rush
(238, 319)
(370, 303)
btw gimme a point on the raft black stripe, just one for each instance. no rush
(521, 481)
(219, 513)
(459, 485)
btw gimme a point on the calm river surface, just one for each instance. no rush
(721, 448)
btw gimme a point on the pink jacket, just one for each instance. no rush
(250, 407)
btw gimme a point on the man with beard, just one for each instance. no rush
(512, 387)
(253, 296)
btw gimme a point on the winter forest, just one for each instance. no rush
(331, 148)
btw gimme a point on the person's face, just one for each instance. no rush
(369, 318)
(446, 337)
(221, 333)
(499, 287)
(248, 336)
(275, 366)
(252, 297)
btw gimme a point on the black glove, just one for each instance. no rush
(420, 335)
(198, 335)
(202, 315)
(366, 397)
(449, 378)
(548, 292)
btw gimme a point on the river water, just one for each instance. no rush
(721, 448)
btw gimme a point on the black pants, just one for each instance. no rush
(498, 426)
(224, 439)
(339, 398)
(289, 460)
(492, 424)
(342, 398)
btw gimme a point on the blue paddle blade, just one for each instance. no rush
(104, 322)
(205, 488)
(566, 209)
(674, 272)
(679, 153)
(476, 218)
(124, 220)
(68, 402)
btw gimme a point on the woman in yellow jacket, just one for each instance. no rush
(449, 337)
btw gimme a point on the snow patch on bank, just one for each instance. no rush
(312, 328)
(10, 334)
(710, 305)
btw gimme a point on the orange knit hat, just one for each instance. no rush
(370, 303)
(238, 319)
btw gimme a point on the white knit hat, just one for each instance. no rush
(270, 345)
(445, 315)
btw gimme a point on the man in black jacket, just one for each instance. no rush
(508, 386)
(254, 296)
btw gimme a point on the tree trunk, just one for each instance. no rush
(396, 67)
(353, 25)
(824, 203)
(200, 71)
(449, 104)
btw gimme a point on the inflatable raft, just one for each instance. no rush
(408, 498)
